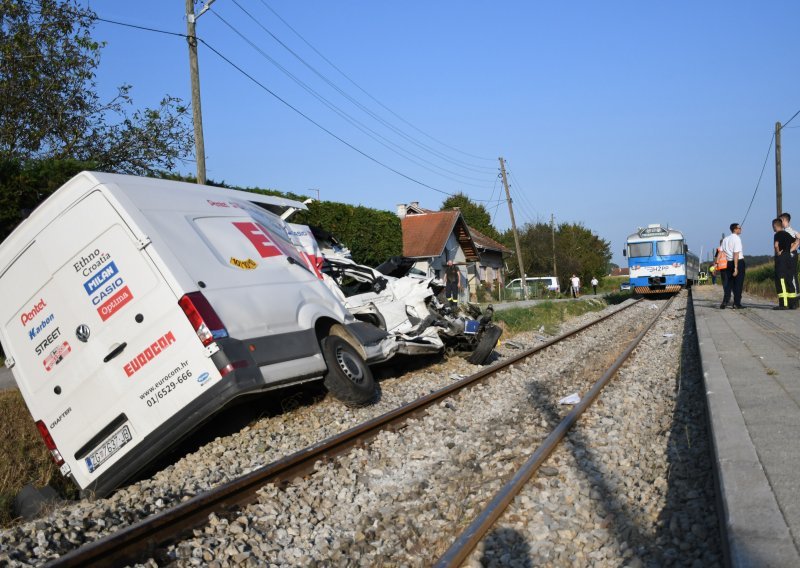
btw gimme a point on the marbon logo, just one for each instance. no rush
(149, 354)
(34, 311)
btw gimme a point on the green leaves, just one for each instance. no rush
(49, 101)
(476, 215)
(371, 235)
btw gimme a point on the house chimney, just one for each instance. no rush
(401, 210)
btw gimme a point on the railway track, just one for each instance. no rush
(152, 537)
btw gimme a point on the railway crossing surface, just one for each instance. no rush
(751, 365)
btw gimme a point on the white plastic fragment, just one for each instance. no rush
(574, 398)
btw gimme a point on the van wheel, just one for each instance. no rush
(348, 378)
(486, 345)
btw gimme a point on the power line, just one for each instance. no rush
(785, 124)
(524, 197)
(286, 103)
(371, 133)
(329, 62)
(363, 108)
(769, 149)
(318, 125)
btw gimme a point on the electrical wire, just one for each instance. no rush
(523, 195)
(371, 133)
(354, 101)
(785, 124)
(329, 62)
(758, 183)
(287, 104)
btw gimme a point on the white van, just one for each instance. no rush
(135, 308)
(536, 284)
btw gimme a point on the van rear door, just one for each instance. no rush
(103, 353)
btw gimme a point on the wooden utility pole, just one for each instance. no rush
(553, 231)
(514, 229)
(778, 182)
(194, 72)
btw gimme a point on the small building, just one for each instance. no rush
(431, 238)
(490, 268)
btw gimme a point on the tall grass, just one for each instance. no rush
(549, 315)
(760, 281)
(25, 459)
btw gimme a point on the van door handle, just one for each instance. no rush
(114, 352)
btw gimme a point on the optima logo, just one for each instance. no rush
(143, 358)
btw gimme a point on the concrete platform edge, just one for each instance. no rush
(753, 526)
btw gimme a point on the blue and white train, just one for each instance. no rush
(659, 261)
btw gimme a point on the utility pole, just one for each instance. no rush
(194, 72)
(553, 230)
(514, 228)
(778, 182)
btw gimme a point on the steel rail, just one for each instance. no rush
(145, 538)
(477, 529)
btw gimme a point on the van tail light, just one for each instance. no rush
(49, 442)
(203, 318)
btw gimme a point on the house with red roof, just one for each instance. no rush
(431, 238)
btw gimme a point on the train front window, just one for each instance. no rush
(668, 248)
(640, 249)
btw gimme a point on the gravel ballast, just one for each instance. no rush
(401, 500)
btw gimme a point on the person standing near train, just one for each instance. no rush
(785, 272)
(785, 220)
(734, 281)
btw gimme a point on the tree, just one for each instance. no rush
(578, 251)
(476, 215)
(49, 101)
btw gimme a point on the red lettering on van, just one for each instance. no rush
(261, 240)
(151, 352)
(33, 312)
(114, 303)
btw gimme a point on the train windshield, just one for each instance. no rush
(640, 249)
(668, 248)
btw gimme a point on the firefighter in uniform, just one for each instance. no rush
(785, 274)
(452, 282)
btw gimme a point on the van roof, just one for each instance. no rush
(140, 190)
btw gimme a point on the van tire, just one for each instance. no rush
(491, 334)
(348, 379)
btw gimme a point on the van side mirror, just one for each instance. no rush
(624, 252)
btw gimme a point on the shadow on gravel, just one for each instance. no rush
(690, 513)
(690, 493)
(506, 547)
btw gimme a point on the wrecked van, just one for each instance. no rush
(134, 309)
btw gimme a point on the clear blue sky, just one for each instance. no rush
(611, 114)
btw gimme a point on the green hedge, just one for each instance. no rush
(371, 235)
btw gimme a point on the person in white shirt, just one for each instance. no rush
(575, 282)
(785, 220)
(732, 246)
(594, 284)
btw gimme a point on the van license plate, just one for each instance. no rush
(109, 448)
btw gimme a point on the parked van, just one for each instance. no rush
(133, 309)
(536, 286)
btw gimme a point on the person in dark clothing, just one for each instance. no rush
(452, 282)
(785, 275)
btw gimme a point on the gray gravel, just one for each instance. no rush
(401, 500)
